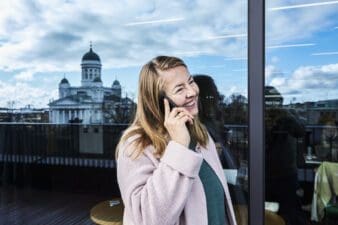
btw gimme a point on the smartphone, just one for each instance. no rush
(172, 104)
(161, 102)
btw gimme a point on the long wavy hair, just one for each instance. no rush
(148, 123)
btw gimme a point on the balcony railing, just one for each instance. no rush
(93, 146)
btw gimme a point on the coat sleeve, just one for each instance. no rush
(156, 192)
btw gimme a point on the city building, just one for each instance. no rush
(91, 103)
(23, 115)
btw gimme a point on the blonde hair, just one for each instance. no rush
(148, 123)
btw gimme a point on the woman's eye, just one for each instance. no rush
(179, 90)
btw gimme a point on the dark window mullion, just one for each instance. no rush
(256, 56)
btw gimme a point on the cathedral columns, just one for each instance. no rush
(81, 114)
(69, 114)
(64, 116)
(57, 116)
(50, 116)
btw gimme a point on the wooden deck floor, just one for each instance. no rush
(26, 206)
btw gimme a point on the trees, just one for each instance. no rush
(235, 109)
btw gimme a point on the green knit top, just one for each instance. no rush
(214, 193)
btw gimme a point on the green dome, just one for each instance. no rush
(116, 82)
(91, 56)
(64, 81)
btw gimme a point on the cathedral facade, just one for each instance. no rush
(91, 103)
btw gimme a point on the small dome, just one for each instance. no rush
(271, 92)
(116, 82)
(97, 79)
(272, 96)
(64, 81)
(91, 55)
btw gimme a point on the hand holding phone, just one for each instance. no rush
(161, 102)
(175, 121)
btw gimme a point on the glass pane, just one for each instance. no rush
(69, 75)
(301, 117)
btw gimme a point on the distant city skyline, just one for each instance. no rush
(42, 42)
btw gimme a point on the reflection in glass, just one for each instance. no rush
(301, 64)
(282, 131)
(211, 113)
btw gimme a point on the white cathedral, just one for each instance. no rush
(91, 103)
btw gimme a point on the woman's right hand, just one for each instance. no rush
(175, 123)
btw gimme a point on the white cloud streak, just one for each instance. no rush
(324, 53)
(302, 5)
(162, 21)
(236, 59)
(227, 36)
(291, 45)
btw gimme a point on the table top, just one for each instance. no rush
(105, 214)
(312, 160)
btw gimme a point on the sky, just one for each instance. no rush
(42, 42)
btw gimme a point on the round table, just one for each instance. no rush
(105, 213)
(272, 218)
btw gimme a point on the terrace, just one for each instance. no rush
(54, 174)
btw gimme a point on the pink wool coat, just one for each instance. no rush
(167, 190)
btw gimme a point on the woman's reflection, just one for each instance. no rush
(282, 130)
(211, 116)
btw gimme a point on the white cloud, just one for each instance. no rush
(24, 76)
(288, 26)
(272, 72)
(310, 82)
(52, 36)
(274, 59)
(23, 94)
(278, 81)
(56, 34)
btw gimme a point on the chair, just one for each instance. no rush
(324, 204)
(331, 212)
(270, 217)
(109, 212)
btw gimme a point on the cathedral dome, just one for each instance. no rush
(91, 55)
(64, 81)
(116, 82)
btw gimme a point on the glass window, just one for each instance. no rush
(51, 145)
(301, 101)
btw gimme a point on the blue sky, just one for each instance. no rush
(43, 41)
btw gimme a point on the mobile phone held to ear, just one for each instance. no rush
(171, 104)
(161, 102)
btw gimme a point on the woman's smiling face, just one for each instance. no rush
(181, 88)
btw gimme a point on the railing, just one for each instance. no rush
(77, 155)
(67, 157)
(53, 144)
(236, 137)
(94, 145)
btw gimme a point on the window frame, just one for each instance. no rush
(256, 64)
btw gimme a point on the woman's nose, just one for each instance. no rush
(191, 91)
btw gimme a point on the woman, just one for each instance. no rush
(211, 116)
(167, 164)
